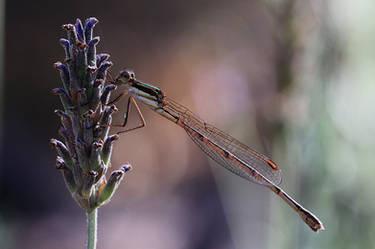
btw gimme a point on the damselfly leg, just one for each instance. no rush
(131, 100)
(126, 115)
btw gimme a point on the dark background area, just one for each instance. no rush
(293, 79)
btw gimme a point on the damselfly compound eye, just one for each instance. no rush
(127, 75)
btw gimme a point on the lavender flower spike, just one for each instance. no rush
(83, 154)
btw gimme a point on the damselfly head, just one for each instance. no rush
(126, 76)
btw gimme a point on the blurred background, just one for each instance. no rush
(293, 79)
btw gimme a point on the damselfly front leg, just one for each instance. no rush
(128, 108)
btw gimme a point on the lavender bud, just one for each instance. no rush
(106, 121)
(65, 119)
(113, 182)
(91, 51)
(64, 97)
(102, 171)
(102, 70)
(89, 25)
(97, 114)
(88, 184)
(95, 160)
(107, 93)
(67, 174)
(97, 92)
(62, 151)
(64, 75)
(72, 35)
(81, 62)
(66, 45)
(79, 30)
(89, 82)
(100, 58)
(107, 148)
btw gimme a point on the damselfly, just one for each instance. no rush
(222, 148)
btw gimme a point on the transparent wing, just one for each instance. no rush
(219, 156)
(252, 159)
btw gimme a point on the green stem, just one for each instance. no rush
(92, 218)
